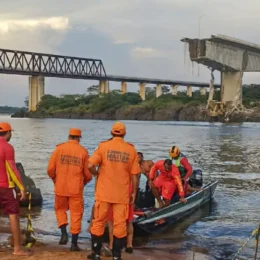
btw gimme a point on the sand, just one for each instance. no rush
(56, 253)
(51, 250)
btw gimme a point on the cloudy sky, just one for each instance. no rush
(132, 37)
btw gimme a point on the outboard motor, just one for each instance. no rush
(196, 179)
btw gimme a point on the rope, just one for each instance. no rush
(255, 232)
(30, 235)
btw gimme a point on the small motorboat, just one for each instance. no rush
(153, 220)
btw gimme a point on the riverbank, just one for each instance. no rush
(46, 250)
(171, 112)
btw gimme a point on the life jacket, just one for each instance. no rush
(177, 163)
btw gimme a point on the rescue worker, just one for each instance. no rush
(9, 177)
(166, 183)
(68, 168)
(181, 162)
(118, 166)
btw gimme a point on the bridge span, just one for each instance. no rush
(40, 65)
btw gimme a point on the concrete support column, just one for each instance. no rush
(175, 90)
(36, 91)
(142, 90)
(231, 87)
(158, 90)
(189, 91)
(103, 86)
(203, 91)
(123, 87)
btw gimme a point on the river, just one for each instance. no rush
(228, 153)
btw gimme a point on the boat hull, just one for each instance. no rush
(160, 220)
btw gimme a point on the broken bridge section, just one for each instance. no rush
(230, 56)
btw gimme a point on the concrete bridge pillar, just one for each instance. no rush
(123, 87)
(231, 87)
(103, 86)
(158, 90)
(203, 91)
(189, 91)
(142, 90)
(175, 90)
(36, 91)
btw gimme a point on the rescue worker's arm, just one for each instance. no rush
(135, 183)
(86, 172)
(11, 168)
(185, 163)
(177, 177)
(94, 161)
(51, 169)
(135, 172)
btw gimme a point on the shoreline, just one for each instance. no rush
(52, 250)
(195, 113)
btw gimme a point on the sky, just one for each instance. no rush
(131, 37)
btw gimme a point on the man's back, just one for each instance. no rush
(68, 164)
(118, 161)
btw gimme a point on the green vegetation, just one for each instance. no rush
(93, 102)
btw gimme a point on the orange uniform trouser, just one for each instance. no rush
(120, 214)
(76, 207)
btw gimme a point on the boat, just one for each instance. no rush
(30, 187)
(154, 221)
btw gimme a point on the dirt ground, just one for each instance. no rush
(50, 250)
(52, 253)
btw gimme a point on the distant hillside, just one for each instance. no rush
(9, 110)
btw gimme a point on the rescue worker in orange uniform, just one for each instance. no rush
(166, 183)
(9, 178)
(68, 168)
(118, 166)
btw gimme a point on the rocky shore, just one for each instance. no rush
(169, 113)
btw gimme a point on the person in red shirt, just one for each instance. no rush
(9, 178)
(166, 183)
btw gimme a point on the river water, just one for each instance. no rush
(228, 153)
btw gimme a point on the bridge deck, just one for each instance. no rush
(49, 65)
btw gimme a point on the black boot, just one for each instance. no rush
(64, 235)
(118, 244)
(74, 243)
(96, 242)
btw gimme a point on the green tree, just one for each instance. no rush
(150, 93)
(93, 90)
(165, 90)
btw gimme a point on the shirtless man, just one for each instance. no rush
(145, 166)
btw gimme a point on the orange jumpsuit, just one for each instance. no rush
(166, 182)
(68, 168)
(117, 162)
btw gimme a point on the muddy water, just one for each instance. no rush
(227, 153)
